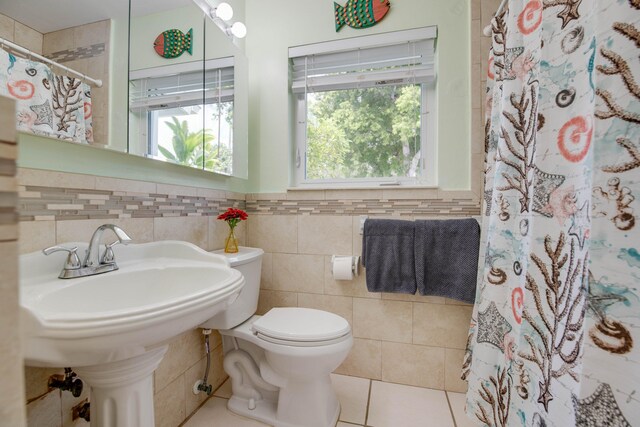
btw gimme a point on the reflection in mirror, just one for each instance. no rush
(183, 103)
(187, 112)
(219, 44)
(66, 68)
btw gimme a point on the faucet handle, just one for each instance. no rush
(108, 257)
(72, 262)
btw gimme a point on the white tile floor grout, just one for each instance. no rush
(450, 409)
(368, 402)
(364, 402)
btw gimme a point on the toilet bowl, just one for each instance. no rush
(279, 363)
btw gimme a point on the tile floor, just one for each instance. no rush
(364, 403)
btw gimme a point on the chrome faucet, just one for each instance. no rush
(93, 263)
(93, 253)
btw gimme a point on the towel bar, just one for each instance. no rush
(363, 218)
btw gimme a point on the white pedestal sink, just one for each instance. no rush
(112, 328)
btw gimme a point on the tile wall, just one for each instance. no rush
(398, 338)
(405, 339)
(84, 48)
(482, 12)
(20, 34)
(11, 370)
(411, 340)
(60, 207)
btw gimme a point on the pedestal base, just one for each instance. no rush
(122, 392)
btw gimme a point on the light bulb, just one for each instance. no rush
(239, 30)
(224, 11)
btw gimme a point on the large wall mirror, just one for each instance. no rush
(90, 37)
(154, 78)
(187, 87)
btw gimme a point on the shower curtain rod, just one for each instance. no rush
(30, 54)
(487, 30)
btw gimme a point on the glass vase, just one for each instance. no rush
(231, 244)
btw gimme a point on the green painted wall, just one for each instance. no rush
(276, 25)
(145, 29)
(273, 27)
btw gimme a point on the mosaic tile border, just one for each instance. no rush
(51, 203)
(78, 53)
(8, 196)
(8, 167)
(39, 203)
(415, 207)
(8, 203)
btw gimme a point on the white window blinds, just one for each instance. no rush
(378, 60)
(182, 85)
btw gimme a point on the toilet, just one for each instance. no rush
(279, 363)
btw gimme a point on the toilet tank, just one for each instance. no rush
(247, 261)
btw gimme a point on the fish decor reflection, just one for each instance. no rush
(360, 13)
(173, 43)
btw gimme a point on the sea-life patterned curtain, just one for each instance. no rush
(47, 104)
(554, 337)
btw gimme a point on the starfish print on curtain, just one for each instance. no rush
(555, 326)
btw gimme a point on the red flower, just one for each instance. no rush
(233, 216)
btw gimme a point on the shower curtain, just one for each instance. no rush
(555, 331)
(47, 104)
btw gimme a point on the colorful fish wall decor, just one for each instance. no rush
(172, 43)
(360, 13)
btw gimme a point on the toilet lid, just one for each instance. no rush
(301, 324)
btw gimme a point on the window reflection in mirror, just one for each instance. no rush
(187, 113)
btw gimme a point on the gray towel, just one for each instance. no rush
(387, 253)
(447, 258)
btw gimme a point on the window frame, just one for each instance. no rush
(153, 116)
(428, 117)
(148, 116)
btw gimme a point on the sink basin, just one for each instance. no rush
(120, 321)
(161, 290)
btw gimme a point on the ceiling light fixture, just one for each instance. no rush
(238, 29)
(223, 11)
(221, 14)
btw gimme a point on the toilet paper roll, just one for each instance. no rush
(343, 267)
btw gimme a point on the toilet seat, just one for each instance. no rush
(301, 343)
(301, 327)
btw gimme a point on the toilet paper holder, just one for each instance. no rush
(355, 263)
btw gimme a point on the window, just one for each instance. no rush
(184, 114)
(362, 110)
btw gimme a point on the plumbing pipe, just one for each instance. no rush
(237, 362)
(82, 410)
(70, 382)
(203, 385)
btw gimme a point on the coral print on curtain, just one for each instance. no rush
(556, 324)
(47, 104)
